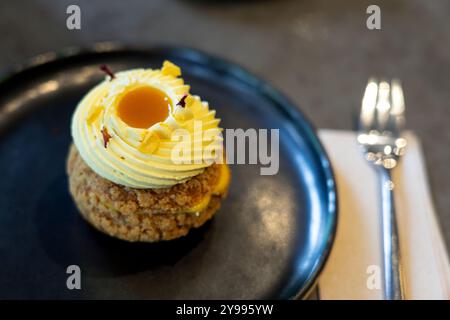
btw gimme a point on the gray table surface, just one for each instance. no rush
(319, 53)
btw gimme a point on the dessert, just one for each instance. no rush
(146, 162)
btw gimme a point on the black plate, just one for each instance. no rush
(269, 240)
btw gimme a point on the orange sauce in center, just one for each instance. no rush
(143, 107)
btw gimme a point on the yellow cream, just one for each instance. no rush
(144, 157)
(224, 180)
(202, 205)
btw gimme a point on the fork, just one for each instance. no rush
(380, 129)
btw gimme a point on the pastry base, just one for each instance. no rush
(146, 215)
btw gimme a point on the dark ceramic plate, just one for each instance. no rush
(270, 239)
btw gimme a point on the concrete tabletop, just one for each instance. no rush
(319, 53)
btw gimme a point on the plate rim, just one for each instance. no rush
(298, 119)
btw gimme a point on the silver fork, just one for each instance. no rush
(380, 134)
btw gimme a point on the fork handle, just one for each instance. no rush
(393, 289)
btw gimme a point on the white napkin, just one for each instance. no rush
(356, 255)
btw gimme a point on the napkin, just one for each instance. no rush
(354, 268)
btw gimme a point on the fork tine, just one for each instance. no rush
(383, 106)
(398, 107)
(367, 115)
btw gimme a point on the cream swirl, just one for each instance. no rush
(146, 158)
